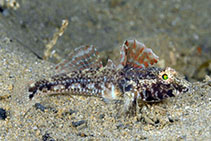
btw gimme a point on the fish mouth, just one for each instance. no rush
(182, 86)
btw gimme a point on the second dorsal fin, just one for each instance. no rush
(136, 54)
(81, 58)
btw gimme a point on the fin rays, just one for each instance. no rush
(81, 58)
(132, 53)
(136, 54)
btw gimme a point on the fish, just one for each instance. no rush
(132, 79)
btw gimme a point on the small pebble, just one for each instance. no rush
(71, 111)
(102, 116)
(171, 120)
(120, 126)
(157, 121)
(40, 106)
(47, 137)
(1, 9)
(82, 135)
(3, 114)
(78, 123)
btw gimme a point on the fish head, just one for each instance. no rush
(161, 84)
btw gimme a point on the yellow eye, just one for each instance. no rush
(165, 76)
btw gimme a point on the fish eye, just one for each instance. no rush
(165, 76)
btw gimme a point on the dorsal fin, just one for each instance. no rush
(136, 54)
(81, 58)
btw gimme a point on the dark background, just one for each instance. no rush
(181, 28)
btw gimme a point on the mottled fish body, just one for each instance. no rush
(132, 79)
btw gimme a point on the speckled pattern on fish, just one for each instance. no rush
(134, 78)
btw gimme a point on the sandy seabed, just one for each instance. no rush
(170, 28)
